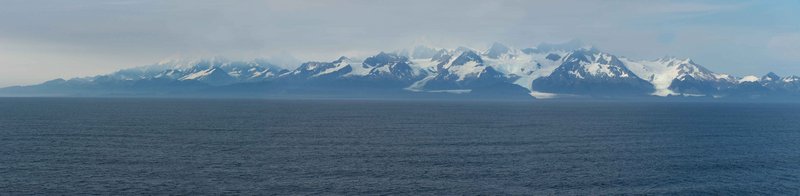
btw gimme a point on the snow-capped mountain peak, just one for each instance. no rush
(423, 52)
(586, 63)
(392, 65)
(496, 50)
(211, 75)
(200, 69)
(592, 72)
(670, 75)
(770, 77)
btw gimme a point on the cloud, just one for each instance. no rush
(786, 46)
(90, 36)
(673, 7)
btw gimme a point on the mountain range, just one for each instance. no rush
(547, 71)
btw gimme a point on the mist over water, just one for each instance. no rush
(180, 146)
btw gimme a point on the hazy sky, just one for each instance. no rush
(42, 40)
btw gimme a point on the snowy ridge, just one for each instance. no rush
(593, 73)
(663, 72)
(203, 70)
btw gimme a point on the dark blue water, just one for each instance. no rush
(154, 146)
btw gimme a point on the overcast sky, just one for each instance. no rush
(42, 40)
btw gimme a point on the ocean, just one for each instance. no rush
(112, 146)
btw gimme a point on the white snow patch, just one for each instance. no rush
(419, 86)
(331, 70)
(750, 78)
(469, 69)
(601, 69)
(358, 69)
(264, 74)
(543, 95)
(454, 91)
(426, 64)
(576, 74)
(199, 74)
(692, 95)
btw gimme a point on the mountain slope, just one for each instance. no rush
(673, 76)
(594, 73)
